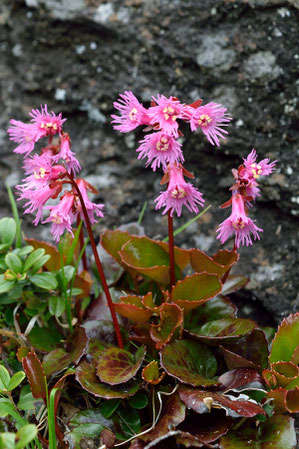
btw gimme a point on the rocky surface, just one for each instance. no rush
(77, 55)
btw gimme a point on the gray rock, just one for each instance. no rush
(262, 67)
(213, 53)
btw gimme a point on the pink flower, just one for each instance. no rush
(132, 112)
(61, 216)
(67, 155)
(239, 223)
(210, 118)
(27, 134)
(160, 149)
(37, 197)
(255, 170)
(165, 114)
(178, 193)
(91, 207)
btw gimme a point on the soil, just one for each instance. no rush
(77, 55)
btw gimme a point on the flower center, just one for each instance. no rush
(204, 120)
(40, 174)
(162, 144)
(49, 125)
(256, 170)
(239, 223)
(133, 114)
(169, 112)
(178, 192)
(56, 219)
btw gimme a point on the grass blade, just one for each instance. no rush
(184, 226)
(16, 216)
(74, 245)
(142, 213)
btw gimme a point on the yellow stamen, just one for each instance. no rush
(40, 174)
(133, 113)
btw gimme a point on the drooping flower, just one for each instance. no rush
(254, 169)
(178, 193)
(91, 207)
(239, 223)
(61, 216)
(210, 118)
(132, 113)
(27, 134)
(165, 114)
(160, 150)
(65, 153)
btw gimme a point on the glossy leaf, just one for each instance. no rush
(54, 263)
(4, 378)
(203, 401)
(113, 241)
(171, 324)
(234, 283)
(139, 400)
(8, 229)
(107, 408)
(43, 338)
(24, 435)
(33, 258)
(150, 373)
(56, 306)
(22, 352)
(13, 262)
(6, 286)
(117, 366)
(84, 282)
(285, 340)
(194, 290)
(217, 331)
(44, 280)
(277, 432)
(189, 361)
(35, 374)
(16, 379)
(133, 308)
(241, 379)
(217, 264)
(286, 374)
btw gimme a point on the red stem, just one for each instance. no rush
(98, 263)
(171, 250)
(81, 240)
(226, 274)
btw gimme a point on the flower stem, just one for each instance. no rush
(171, 250)
(98, 263)
(226, 274)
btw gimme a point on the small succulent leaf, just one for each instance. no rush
(43, 338)
(139, 400)
(33, 258)
(292, 400)
(27, 249)
(214, 309)
(54, 263)
(278, 431)
(194, 290)
(22, 352)
(56, 306)
(285, 341)
(117, 365)
(8, 229)
(241, 379)
(202, 401)
(189, 361)
(295, 357)
(150, 373)
(86, 424)
(286, 373)
(171, 324)
(55, 361)
(226, 258)
(234, 360)
(200, 262)
(16, 379)
(246, 346)
(107, 408)
(40, 263)
(24, 435)
(36, 376)
(6, 286)
(13, 262)
(7, 440)
(173, 414)
(4, 378)
(44, 280)
(234, 283)
(217, 331)
(84, 282)
(113, 241)
(131, 307)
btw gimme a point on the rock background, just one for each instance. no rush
(77, 55)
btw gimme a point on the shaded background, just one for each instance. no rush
(77, 55)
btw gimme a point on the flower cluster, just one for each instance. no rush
(245, 190)
(51, 170)
(161, 147)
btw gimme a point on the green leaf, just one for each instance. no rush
(24, 435)
(8, 230)
(45, 280)
(217, 264)
(4, 378)
(87, 424)
(214, 309)
(7, 440)
(15, 380)
(39, 263)
(150, 373)
(33, 258)
(285, 340)
(56, 306)
(27, 402)
(13, 262)
(170, 325)
(129, 421)
(117, 366)
(16, 216)
(108, 407)
(190, 361)
(27, 249)
(139, 400)
(43, 338)
(68, 274)
(5, 286)
(215, 332)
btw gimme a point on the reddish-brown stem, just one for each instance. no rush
(81, 241)
(226, 274)
(98, 263)
(171, 250)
